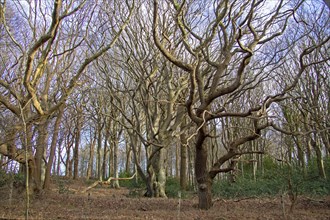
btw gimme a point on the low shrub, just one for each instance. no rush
(18, 179)
(132, 183)
(276, 179)
(173, 189)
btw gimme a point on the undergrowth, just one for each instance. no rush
(16, 178)
(276, 179)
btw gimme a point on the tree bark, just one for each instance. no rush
(128, 159)
(203, 178)
(115, 159)
(136, 149)
(40, 150)
(177, 161)
(319, 159)
(159, 171)
(99, 147)
(77, 144)
(53, 148)
(183, 159)
(68, 161)
(105, 153)
(91, 159)
(150, 179)
(59, 157)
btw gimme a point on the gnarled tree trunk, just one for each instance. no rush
(203, 178)
(159, 182)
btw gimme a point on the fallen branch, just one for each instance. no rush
(107, 182)
(245, 198)
(314, 200)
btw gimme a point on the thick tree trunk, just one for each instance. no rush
(169, 164)
(161, 174)
(91, 159)
(59, 157)
(32, 183)
(67, 148)
(205, 194)
(203, 178)
(159, 182)
(2, 161)
(53, 148)
(325, 136)
(76, 148)
(319, 159)
(99, 147)
(111, 159)
(136, 149)
(183, 162)
(177, 161)
(191, 167)
(254, 161)
(149, 181)
(115, 160)
(128, 159)
(76, 158)
(40, 150)
(301, 156)
(104, 162)
(68, 163)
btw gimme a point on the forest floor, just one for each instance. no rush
(65, 202)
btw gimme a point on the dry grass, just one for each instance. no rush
(106, 203)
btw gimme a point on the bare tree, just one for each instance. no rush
(225, 57)
(306, 118)
(147, 99)
(53, 38)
